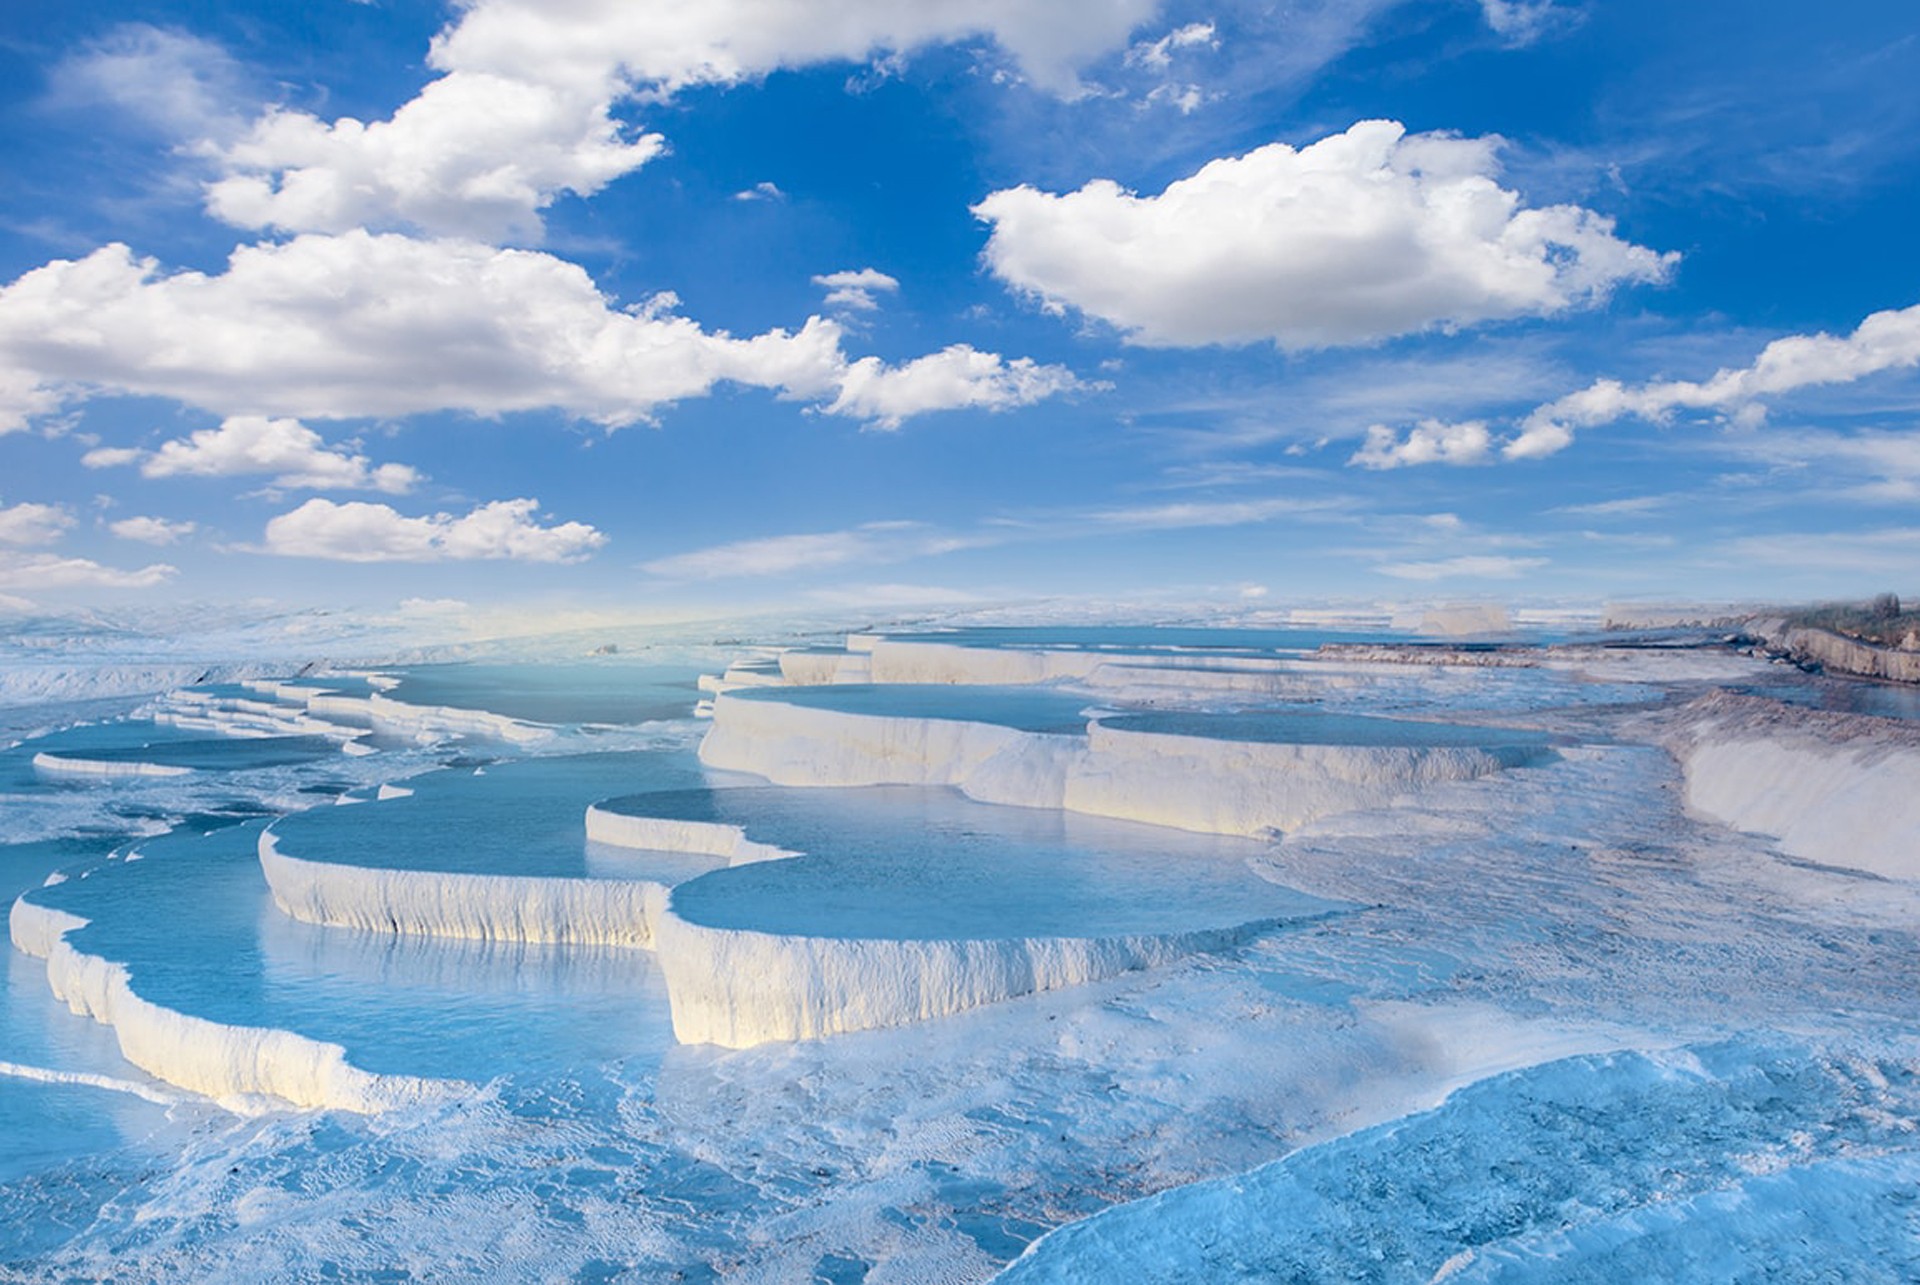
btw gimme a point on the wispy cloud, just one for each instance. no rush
(1466, 567)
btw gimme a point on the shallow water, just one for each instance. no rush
(1027, 709)
(1289, 727)
(522, 817)
(923, 862)
(1667, 1051)
(610, 689)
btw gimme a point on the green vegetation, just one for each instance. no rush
(1880, 620)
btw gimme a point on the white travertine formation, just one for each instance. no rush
(815, 668)
(914, 661)
(662, 834)
(230, 1063)
(1198, 783)
(69, 765)
(400, 718)
(1838, 789)
(737, 989)
(793, 745)
(525, 908)
(733, 987)
(1256, 787)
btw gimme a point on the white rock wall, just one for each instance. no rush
(1251, 788)
(600, 912)
(230, 1063)
(1190, 783)
(661, 834)
(1840, 805)
(737, 989)
(64, 765)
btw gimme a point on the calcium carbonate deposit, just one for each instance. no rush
(1068, 954)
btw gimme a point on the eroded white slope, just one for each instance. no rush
(392, 717)
(1206, 784)
(737, 988)
(795, 745)
(235, 1064)
(483, 907)
(1840, 789)
(1251, 787)
(664, 834)
(105, 769)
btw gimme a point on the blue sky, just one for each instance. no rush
(846, 303)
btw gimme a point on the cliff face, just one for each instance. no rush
(1844, 655)
(1833, 788)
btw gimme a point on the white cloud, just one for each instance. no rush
(1475, 566)
(23, 398)
(812, 551)
(1522, 22)
(881, 542)
(855, 288)
(1428, 442)
(761, 191)
(956, 377)
(33, 571)
(523, 109)
(1185, 99)
(169, 81)
(152, 530)
(1359, 237)
(1626, 506)
(668, 45)
(1887, 340)
(1158, 54)
(1886, 551)
(384, 325)
(33, 524)
(291, 452)
(1211, 513)
(362, 532)
(474, 155)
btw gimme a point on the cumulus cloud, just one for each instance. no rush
(955, 377)
(148, 530)
(26, 525)
(362, 532)
(1359, 237)
(1428, 442)
(325, 327)
(856, 288)
(665, 45)
(523, 109)
(1888, 340)
(50, 571)
(292, 453)
(474, 155)
(1475, 566)
(781, 554)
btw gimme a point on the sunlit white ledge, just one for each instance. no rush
(246, 1068)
